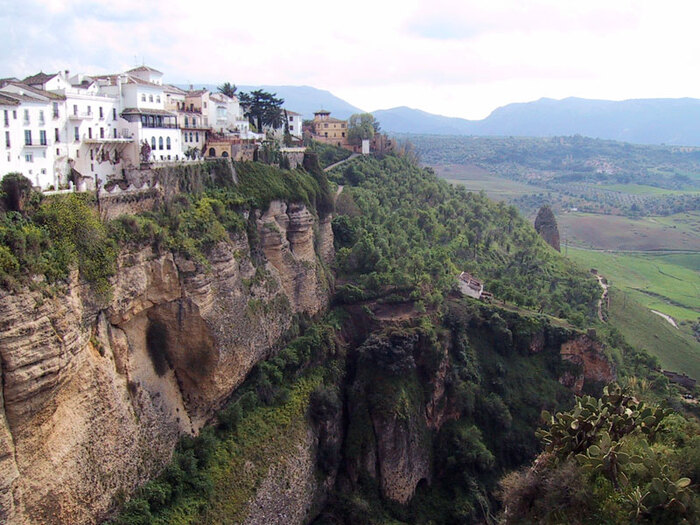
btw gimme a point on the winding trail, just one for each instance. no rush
(341, 162)
(668, 318)
(603, 297)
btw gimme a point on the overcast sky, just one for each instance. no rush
(458, 58)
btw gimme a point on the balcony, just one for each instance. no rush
(122, 137)
(82, 115)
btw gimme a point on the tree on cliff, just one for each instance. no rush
(262, 108)
(546, 226)
(227, 89)
(362, 126)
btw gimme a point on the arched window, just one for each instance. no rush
(224, 154)
(212, 152)
(150, 98)
(153, 143)
(160, 142)
(167, 143)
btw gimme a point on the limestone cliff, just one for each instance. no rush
(95, 396)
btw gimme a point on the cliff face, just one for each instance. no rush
(95, 397)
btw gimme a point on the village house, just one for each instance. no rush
(330, 130)
(30, 141)
(472, 287)
(142, 97)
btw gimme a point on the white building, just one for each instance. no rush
(90, 136)
(30, 140)
(142, 100)
(294, 121)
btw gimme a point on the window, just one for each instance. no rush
(153, 143)
(150, 98)
(205, 105)
(197, 135)
(89, 133)
(102, 114)
(7, 118)
(325, 125)
(160, 142)
(75, 109)
(343, 133)
(191, 137)
(26, 117)
(41, 117)
(102, 133)
(76, 133)
(29, 157)
(143, 97)
(115, 132)
(187, 122)
(89, 110)
(191, 107)
(27, 137)
(56, 135)
(291, 128)
(7, 139)
(14, 114)
(58, 152)
(55, 110)
(194, 121)
(114, 113)
(42, 137)
(158, 99)
(167, 143)
(92, 154)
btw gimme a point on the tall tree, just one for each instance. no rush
(228, 89)
(362, 126)
(262, 108)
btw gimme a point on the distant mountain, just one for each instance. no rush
(642, 121)
(302, 99)
(408, 120)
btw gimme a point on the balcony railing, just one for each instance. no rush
(156, 125)
(80, 116)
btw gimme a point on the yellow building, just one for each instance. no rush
(330, 130)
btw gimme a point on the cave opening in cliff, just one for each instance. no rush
(157, 345)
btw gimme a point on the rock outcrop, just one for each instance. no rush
(95, 396)
(546, 226)
(587, 353)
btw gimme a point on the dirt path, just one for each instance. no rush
(341, 162)
(667, 317)
(603, 297)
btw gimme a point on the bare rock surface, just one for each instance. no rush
(94, 396)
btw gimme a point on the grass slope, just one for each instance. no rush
(675, 349)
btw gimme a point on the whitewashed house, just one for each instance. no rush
(29, 139)
(142, 98)
(91, 138)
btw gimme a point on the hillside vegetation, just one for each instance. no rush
(401, 229)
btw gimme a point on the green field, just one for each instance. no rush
(675, 349)
(667, 283)
(679, 232)
(641, 189)
(477, 179)
(641, 282)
